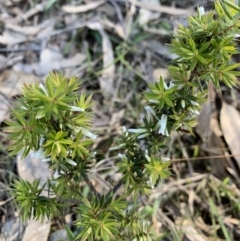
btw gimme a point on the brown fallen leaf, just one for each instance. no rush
(46, 31)
(160, 72)
(76, 60)
(146, 15)
(11, 83)
(208, 129)
(29, 30)
(107, 78)
(9, 3)
(116, 118)
(159, 48)
(51, 59)
(185, 226)
(3, 62)
(108, 8)
(230, 124)
(11, 38)
(162, 9)
(82, 8)
(116, 26)
(36, 9)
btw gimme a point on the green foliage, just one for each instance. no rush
(32, 204)
(209, 43)
(99, 219)
(156, 169)
(55, 123)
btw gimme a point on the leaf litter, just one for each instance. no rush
(115, 47)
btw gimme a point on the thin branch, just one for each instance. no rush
(92, 188)
(117, 186)
(202, 158)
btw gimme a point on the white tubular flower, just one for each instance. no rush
(77, 109)
(143, 136)
(163, 124)
(145, 225)
(165, 85)
(151, 182)
(140, 130)
(201, 11)
(183, 103)
(125, 131)
(150, 113)
(71, 162)
(42, 139)
(114, 148)
(196, 112)
(43, 88)
(121, 156)
(166, 132)
(40, 114)
(87, 133)
(153, 101)
(56, 174)
(24, 108)
(165, 159)
(147, 156)
(194, 103)
(171, 84)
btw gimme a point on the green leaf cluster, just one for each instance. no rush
(208, 42)
(33, 204)
(53, 122)
(108, 218)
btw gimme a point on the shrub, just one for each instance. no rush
(55, 123)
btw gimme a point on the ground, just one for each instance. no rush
(115, 47)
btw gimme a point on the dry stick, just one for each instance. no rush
(202, 158)
(118, 11)
(92, 188)
(163, 9)
(5, 96)
(117, 186)
(185, 154)
(36, 9)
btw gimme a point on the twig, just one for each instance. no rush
(202, 158)
(20, 49)
(36, 9)
(185, 154)
(118, 11)
(92, 188)
(5, 96)
(163, 9)
(118, 185)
